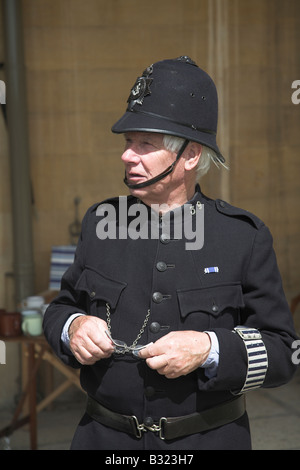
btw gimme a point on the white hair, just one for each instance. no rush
(173, 144)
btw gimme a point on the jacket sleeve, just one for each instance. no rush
(265, 309)
(68, 302)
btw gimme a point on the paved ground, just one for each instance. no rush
(274, 417)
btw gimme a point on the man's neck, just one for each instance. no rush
(169, 201)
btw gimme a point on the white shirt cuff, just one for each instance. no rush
(65, 332)
(212, 362)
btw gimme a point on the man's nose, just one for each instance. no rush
(130, 156)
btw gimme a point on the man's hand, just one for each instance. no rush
(178, 353)
(88, 340)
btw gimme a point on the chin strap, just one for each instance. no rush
(161, 175)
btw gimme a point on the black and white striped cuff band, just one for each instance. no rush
(257, 357)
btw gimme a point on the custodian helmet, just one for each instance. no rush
(174, 97)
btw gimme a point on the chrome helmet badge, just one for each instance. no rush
(141, 88)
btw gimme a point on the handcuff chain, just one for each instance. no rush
(140, 332)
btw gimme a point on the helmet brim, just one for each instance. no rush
(143, 122)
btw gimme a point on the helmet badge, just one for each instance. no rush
(141, 88)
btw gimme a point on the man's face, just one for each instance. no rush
(144, 158)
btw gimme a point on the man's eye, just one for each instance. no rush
(149, 144)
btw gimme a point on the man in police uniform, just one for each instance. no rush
(213, 317)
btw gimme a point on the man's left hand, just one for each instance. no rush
(178, 353)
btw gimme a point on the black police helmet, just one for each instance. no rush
(174, 97)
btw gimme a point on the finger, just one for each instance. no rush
(166, 369)
(146, 351)
(83, 356)
(158, 363)
(96, 337)
(102, 342)
(88, 350)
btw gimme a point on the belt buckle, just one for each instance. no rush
(138, 427)
(162, 420)
(154, 428)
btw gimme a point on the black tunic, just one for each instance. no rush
(165, 275)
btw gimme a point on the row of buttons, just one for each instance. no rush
(155, 327)
(158, 297)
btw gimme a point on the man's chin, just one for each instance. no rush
(138, 191)
(136, 181)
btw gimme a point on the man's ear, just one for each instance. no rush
(192, 156)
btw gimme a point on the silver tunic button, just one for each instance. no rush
(154, 327)
(157, 297)
(161, 266)
(164, 238)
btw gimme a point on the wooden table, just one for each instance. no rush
(35, 349)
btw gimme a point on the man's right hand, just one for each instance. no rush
(88, 340)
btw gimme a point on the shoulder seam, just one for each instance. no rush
(233, 211)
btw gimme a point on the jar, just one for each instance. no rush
(10, 324)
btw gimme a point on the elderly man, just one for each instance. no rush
(173, 308)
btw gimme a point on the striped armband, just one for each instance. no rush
(257, 357)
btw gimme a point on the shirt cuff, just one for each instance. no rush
(212, 362)
(65, 332)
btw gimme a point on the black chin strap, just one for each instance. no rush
(161, 175)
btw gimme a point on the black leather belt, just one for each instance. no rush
(170, 428)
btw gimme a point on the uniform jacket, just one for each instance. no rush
(161, 274)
